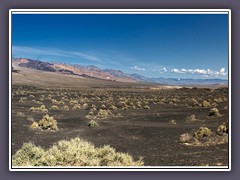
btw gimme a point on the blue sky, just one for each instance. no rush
(158, 45)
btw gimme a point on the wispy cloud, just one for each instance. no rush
(138, 68)
(53, 52)
(204, 72)
(162, 70)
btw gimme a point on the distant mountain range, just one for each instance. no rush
(107, 74)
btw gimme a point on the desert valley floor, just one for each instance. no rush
(142, 120)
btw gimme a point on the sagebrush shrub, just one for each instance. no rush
(47, 122)
(92, 123)
(191, 118)
(42, 108)
(206, 104)
(214, 112)
(202, 132)
(75, 152)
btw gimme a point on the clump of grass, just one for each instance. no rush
(65, 108)
(112, 107)
(28, 155)
(34, 125)
(93, 109)
(54, 107)
(85, 106)
(90, 116)
(205, 137)
(54, 101)
(202, 132)
(223, 128)
(42, 108)
(138, 104)
(37, 102)
(146, 107)
(102, 114)
(46, 123)
(194, 102)
(186, 137)
(31, 96)
(22, 100)
(219, 100)
(172, 121)
(21, 114)
(118, 115)
(103, 106)
(92, 123)
(214, 112)
(206, 104)
(75, 152)
(191, 118)
(73, 101)
(90, 113)
(76, 106)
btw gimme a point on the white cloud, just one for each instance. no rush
(138, 68)
(177, 71)
(53, 52)
(204, 72)
(162, 70)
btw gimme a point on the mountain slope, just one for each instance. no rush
(106, 74)
(86, 71)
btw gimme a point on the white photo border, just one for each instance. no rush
(120, 11)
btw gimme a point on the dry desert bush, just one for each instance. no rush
(46, 123)
(42, 108)
(214, 112)
(191, 118)
(205, 136)
(75, 152)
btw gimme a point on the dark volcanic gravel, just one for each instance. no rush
(140, 132)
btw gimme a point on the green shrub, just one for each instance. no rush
(65, 108)
(85, 106)
(75, 152)
(118, 115)
(76, 106)
(73, 101)
(90, 113)
(42, 108)
(202, 132)
(54, 107)
(205, 137)
(191, 118)
(112, 107)
(223, 128)
(206, 104)
(34, 125)
(47, 122)
(54, 101)
(214, 112)
(92, 123)
(28, 155)
(102, 114)
(90, 116)
(173, 122)
(146, 107)
(186, 137)
(20, 114)
(194, 102)
(103, 106)
(138, 104)
(22, 100)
